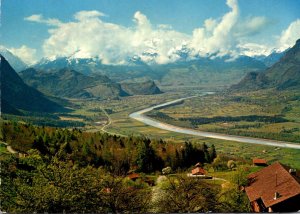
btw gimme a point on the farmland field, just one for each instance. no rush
(208, 106)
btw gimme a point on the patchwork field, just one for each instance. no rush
(264, 114)
(209, 106)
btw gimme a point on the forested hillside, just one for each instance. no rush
(61, 170)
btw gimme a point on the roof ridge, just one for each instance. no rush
(294, 177)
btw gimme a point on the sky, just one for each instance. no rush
(153, 30)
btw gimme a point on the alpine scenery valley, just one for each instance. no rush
(149, 106)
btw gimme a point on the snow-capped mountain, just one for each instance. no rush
(85, 66)
(271, 59)
(13, 60)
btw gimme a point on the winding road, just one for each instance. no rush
(139, 116)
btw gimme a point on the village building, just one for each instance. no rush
(198, 171)
(133, 176)
(259, 162)
(275, 188)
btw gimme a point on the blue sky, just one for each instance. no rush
(252, 26)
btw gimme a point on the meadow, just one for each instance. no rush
(263, 114)
(260, 103)
(111, 116)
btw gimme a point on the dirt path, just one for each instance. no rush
(108, 123)
(9, 148)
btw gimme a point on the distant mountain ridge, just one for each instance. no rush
(202, 70)
(140, 87)
(72, 84)
(16, 95)
(13, 60)
(285, 74)
(272, 58)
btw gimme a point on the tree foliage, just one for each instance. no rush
(182, 194)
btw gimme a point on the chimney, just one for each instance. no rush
(292, 171)
(276, 195)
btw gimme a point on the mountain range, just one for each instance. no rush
(16, 95)
(272, 58)
(34, 89)
(68, 83)
(203, 70)
(72, 84)
(285, 74)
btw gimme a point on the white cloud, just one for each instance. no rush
(26, 54)
(34, 18)
(251, 26)
(83, 15)
(290, 35)
(40, 19)
(89, 36)
(254, 49)
(216, 37)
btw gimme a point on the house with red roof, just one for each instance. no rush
(275, 188)
(133, 176)
(198, 171)
(259, 162)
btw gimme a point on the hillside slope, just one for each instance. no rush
(143, 87)
(13, 60)
(284, 74)
(72, 84)
(15, 94)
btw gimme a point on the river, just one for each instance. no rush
(139, 116)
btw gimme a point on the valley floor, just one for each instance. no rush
(139, 116)
(264, 103)
(262, 114)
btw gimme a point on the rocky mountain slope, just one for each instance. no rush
(285, 74)
(16, 95)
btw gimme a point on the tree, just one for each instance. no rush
(231, 164)
(191, 155)
(233, 196)
(235, 200)
(166, 171)
(55, 187)
(118, 195)
(240, 177)
(185, 194)
(177, 163)
(212, 153)
(40, 145)
(86, 151)
(147, 160)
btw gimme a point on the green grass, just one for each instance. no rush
(252, 103)
(263, 103)
(3, 149)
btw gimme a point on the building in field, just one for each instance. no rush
(198, 171)
(259, 162)
(275, 188)
(133, 176)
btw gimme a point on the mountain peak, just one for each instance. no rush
(297, 45)
(284, 74)
(18, 95)
(2, 58)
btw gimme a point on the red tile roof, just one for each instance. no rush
(269, 180)
(198, 171)
(259, 161)
(133, 176)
